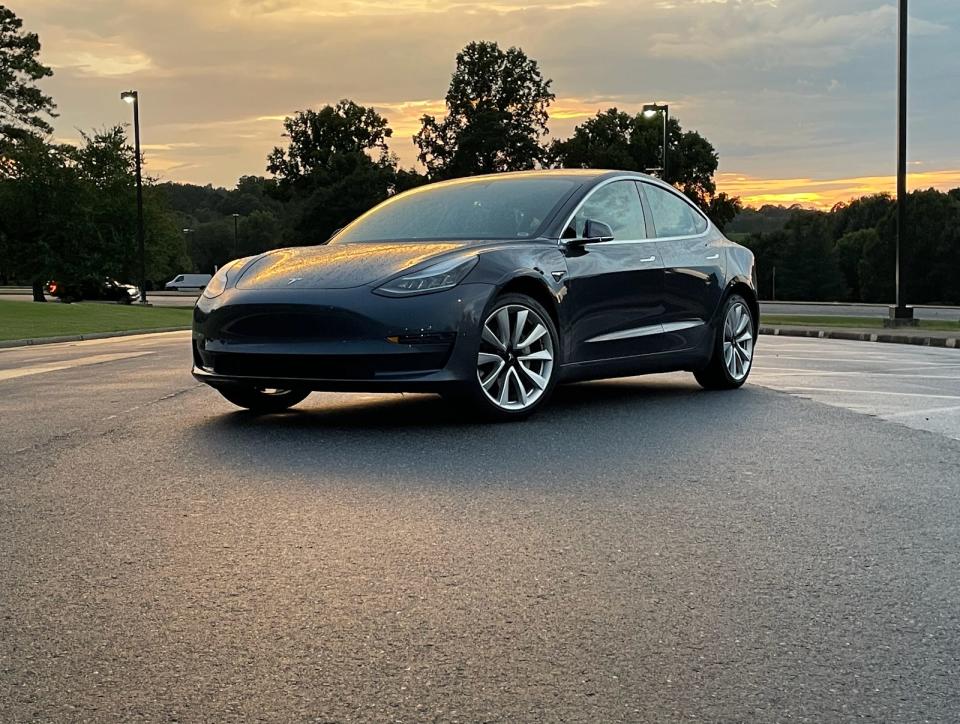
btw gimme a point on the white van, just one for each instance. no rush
(188, 281)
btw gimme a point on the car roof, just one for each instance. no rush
(572, 174)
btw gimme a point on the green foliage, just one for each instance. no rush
(23, 107)
(761, 221)
(849, 253)
(801, 253)
(327, 174)
(70, 213)
(614, 139)
(496, 115)
(849, 250)
(328, 142)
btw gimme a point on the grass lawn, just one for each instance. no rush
(30, 320)
(785, 320)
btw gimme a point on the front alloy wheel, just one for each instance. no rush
(515, 360)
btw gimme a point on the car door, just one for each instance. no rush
(693, 262)
(614, 288)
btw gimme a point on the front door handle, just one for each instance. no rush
(648, 260)
(713, 256)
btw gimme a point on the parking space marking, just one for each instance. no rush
(789, 388)
(68, 364)
(798, 372)
(928, 411)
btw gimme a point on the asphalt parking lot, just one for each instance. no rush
(914, 386)
(639, 551)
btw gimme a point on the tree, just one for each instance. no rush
(496, 115)
(930, 252)
(22, 105)
(849, 250)
(802, 253)
(38, 187)
(616, 140)
(335, 168)
(69, 214)
(319, 140)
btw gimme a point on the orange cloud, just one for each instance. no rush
(824, 193)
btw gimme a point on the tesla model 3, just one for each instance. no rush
(490, 290)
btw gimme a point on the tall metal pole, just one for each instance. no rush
(236, 220)
(666, 144)
(901, 311)
(140, 241)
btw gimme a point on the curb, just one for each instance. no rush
(83, 337)
(886, 337)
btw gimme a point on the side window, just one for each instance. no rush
(672, 215)
(618, 205)
(179, 278)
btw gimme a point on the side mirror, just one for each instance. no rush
(597, 231)
(593, 232)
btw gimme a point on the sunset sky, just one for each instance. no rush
(797, 96)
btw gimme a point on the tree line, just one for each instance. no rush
(68, 211)
(848, 253)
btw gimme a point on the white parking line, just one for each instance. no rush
(799, 372)
(867, 392)
(67, 364)
(928, 411)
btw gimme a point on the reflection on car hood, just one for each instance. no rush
(338, 266)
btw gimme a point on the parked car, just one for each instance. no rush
(94, 288)
(188, 281)
(489, 290)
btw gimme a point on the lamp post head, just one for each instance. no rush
(651, 109)
(129, 96)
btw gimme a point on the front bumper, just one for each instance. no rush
(338, 339)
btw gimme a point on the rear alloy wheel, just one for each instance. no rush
(516, 360)
(263, 400)
(732, 356)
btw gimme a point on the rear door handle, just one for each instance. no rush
(648, 260)
(713, 256)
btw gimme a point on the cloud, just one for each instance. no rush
(824, 193)
(783, 89)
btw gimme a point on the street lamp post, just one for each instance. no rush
(649, 111)
(134, 98)
(901, 314)
(236, 222)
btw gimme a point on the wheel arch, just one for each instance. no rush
(533, 287)
(745, 290)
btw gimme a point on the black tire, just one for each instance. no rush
(472, 394)
(716, 375)
(263, 401)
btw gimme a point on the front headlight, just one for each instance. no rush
(221, 280)
(436, 278)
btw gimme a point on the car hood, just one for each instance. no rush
(338, 266)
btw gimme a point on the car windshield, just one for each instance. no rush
(489, 208)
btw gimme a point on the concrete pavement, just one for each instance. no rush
(639, 551)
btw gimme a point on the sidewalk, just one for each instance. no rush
(923, 337)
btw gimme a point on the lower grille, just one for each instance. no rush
(353, 367)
